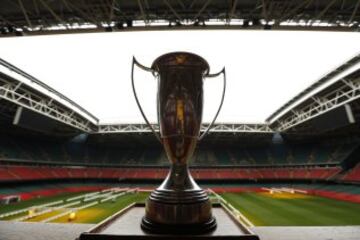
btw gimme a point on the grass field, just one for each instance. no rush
(101, 211)
(36, 201)
(262, 209)
(92, 214)
(285, 209)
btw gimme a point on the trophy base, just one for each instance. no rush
(169, 211)
(179, 229)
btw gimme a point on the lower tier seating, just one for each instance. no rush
(16, 173)
(353, 175)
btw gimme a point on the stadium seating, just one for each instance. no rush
(353, 175)
(37, 151)
(223, 157)
(15, 173)
(28, 159)
(5, 174)
(44, 189)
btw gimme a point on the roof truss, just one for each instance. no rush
(217, 128)
(64, 16)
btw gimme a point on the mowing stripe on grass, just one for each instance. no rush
(264, 210)
(291, 213)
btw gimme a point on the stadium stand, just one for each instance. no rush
(43, 151)
(353, 175)
(41, 159)
(14, 172)
(50, 189)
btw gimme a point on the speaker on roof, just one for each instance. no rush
(277, 138)
(17, 115)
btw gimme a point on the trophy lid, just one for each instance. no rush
(181, 59)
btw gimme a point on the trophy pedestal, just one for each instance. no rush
(178, 229)
(126, 225)
(170, 212)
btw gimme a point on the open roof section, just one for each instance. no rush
(64, 16)
(344, 89)
(264, 69)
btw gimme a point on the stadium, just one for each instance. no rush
(64, 171)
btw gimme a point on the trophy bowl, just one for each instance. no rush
(179, 205)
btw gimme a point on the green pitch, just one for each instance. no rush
(34, 202)
(264, 209)
(92, 214)
(101, 211)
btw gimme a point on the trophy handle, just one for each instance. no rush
(135, 62)
(221, 103)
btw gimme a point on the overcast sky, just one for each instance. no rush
(264, 68)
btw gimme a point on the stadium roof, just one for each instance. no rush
(350, 66)
(265, 69)
(21, 92)
(65, 16)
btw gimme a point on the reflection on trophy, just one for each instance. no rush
(179, 205)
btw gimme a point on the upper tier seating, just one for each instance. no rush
(27, 150)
